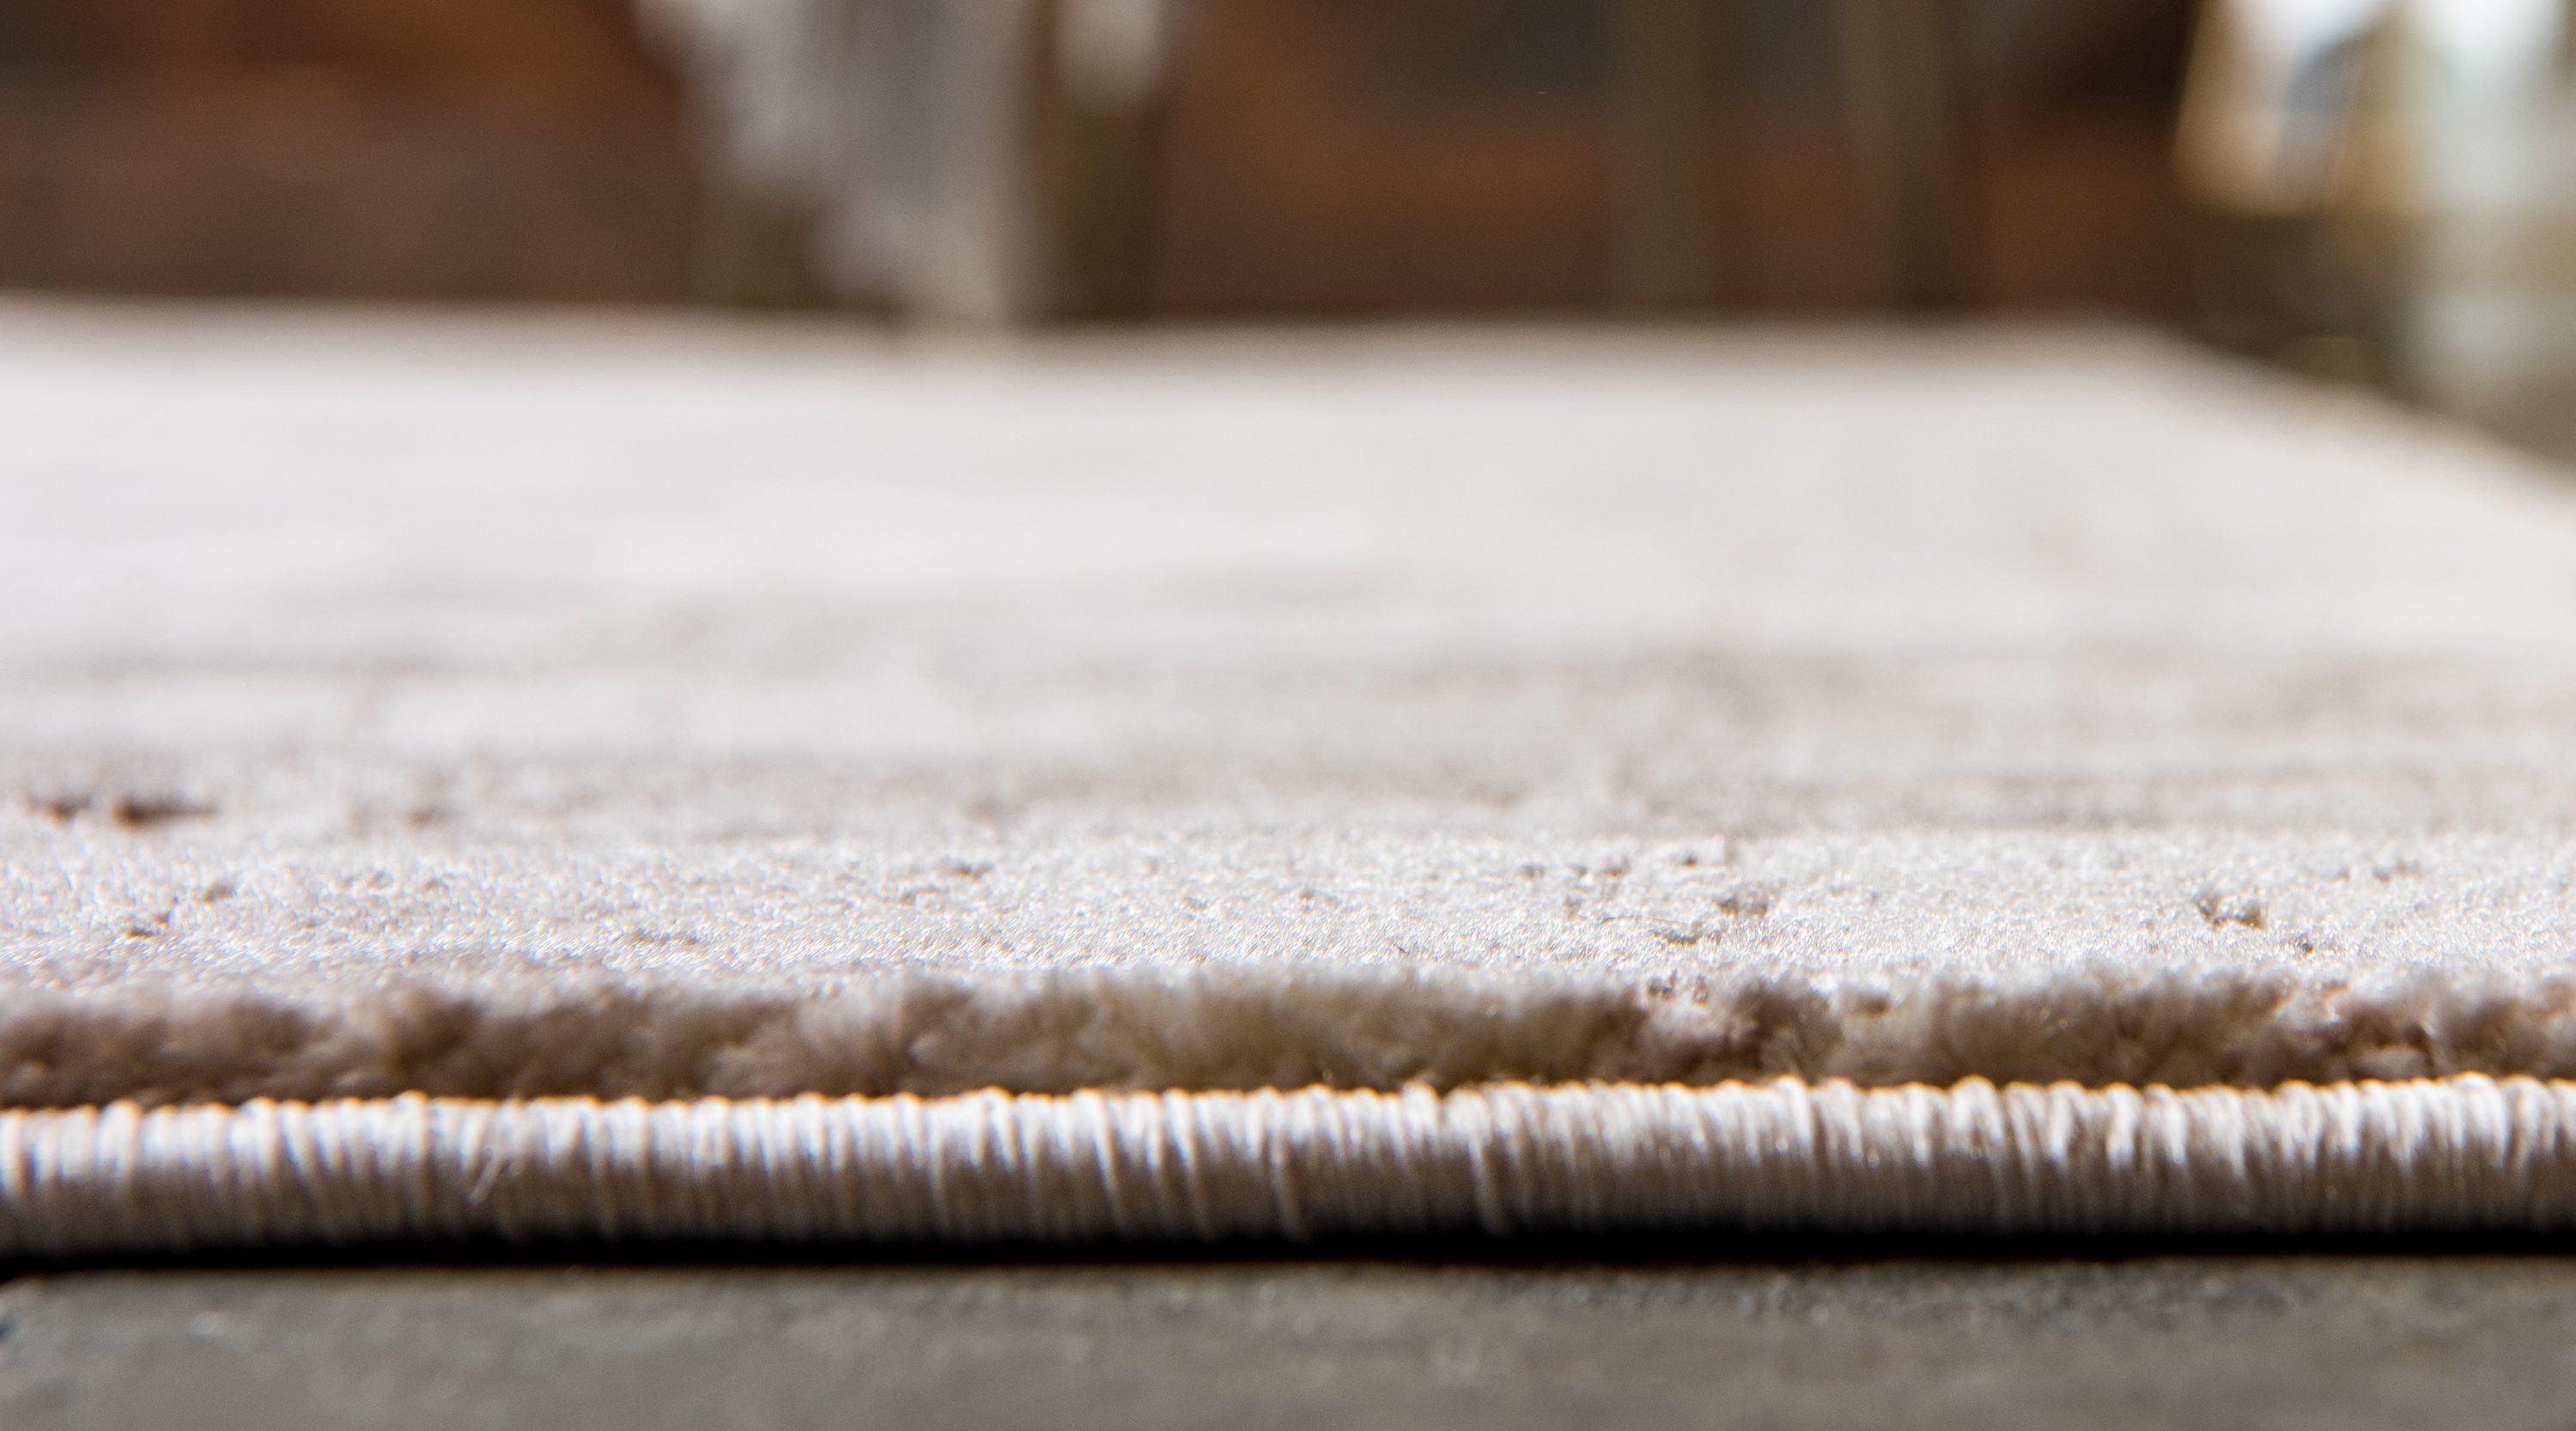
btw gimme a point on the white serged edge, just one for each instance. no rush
(2436, 1154)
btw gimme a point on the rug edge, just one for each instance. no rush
(233, 1040)
(2453, 1154)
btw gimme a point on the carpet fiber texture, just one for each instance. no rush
(494, 711)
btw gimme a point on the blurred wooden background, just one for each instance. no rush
(1308, 157)
(423, 149)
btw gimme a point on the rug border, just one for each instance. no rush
(2461, 1153)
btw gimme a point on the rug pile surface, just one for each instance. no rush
(531, 779)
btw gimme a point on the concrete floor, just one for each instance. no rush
(2288, 1341)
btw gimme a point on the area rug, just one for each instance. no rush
(554, 778)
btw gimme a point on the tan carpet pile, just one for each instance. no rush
(1585, 780)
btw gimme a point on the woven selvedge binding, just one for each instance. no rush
(2465, 1152)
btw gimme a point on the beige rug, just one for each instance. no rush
(1363, 781)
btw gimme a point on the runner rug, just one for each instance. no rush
(547, 779)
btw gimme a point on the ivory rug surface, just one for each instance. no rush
(1212, 785)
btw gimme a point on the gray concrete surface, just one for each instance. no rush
(2293, 1341)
